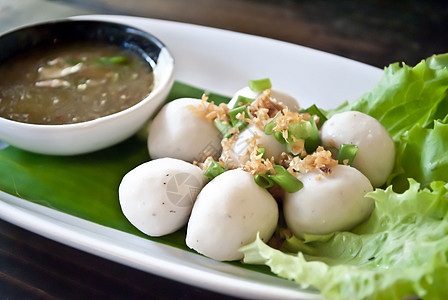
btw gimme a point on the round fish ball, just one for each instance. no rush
(328, 203)
(281, 97)
(376, 150)
(178, 132)
(227, 215)
(157, 196)
(239, 151)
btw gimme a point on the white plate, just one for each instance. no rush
(223, 62)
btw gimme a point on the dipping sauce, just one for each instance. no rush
(72, 83)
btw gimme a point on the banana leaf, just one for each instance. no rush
(86, 186)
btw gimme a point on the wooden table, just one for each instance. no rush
(374, 32)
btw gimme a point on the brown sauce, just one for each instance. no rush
(72, 83)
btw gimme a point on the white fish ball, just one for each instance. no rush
(376, 150)
(178, 132)
(157, 196)
(328, 203)
(227, 215)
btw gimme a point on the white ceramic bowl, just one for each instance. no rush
(78, 138)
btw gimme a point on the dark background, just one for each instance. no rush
(375, 32)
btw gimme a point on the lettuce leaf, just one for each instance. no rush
(407, 96)
(407, 101)
(422, 155)
(401, 250)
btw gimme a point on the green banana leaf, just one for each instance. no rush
(86, 186)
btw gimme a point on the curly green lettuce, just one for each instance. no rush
(401, 250)
(422, 154)
(407, 96)
(408, 101)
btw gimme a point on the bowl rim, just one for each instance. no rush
(157, 89)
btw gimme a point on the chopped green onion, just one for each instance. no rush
(300, 130)
(279, 169)
(235, 112)
(347, 154)
(214, 170)
(241, 100)
(262, 151)
(286, 180)
(223, 127)
(260, 84)
(240, 124)
(269, 127)
(313, 141)
(279, 137)
(264, 181)
(118, 59)
(113, 60)
(315, 111)
(282, 177)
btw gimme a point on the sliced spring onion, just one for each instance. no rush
(118, 59)
(313, 141)
(260, 84)
(240, 124)
(241, 100)
(347, 154)
(264, 181)
(262, 151)
(315, 111)
(286, 180)
(300, 130)
(113, 60)
(223, 127)
(235, 112)
(282, 177)
(279, 137)
(269, 127)
(214, 170)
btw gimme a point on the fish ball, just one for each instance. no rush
(328, 203)
(376, 150)
(157, 196)
(178, 132)
(227, 215)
